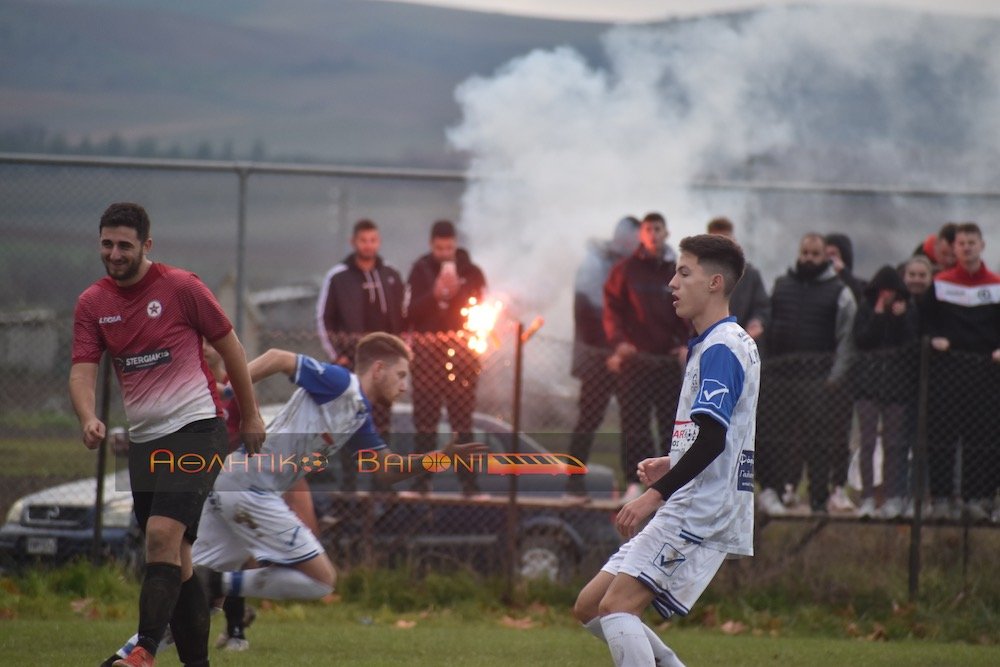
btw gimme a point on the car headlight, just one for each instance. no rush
(14, 515)
(117, 513)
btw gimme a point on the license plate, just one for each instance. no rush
(41, 546)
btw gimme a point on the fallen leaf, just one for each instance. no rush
(518, 623)
(733, 627)
(80, 605)
(878, 634)
(403, 624)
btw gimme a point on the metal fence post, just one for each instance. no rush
(919, 468)
(512, 480)
(102, 456)
(242, 173)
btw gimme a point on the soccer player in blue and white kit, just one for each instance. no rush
(245, 515)
(702, 493)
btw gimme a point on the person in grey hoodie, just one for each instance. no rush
(590, 343)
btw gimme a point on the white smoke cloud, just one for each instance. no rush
(561, 148)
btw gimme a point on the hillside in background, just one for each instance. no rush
(348, 81)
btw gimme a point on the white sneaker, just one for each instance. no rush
(789, 498)
(633, 491)
(867, 508)
(234, 644)
(892, 509)
(769, 503)
(976, 512)
(839, 503)
(942, 509)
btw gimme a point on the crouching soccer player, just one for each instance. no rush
(245, 515)
(702, 493)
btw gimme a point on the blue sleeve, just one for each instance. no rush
(366, 437)
(324, 382)
(721, 384)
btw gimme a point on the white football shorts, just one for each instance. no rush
(675, 570)
(238, 524)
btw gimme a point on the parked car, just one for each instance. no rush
(57, 524)
(553, 537)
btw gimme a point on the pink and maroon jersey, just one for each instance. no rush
(153, 331)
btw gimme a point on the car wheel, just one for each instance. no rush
(546, 557)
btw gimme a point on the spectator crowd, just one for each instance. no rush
(841, 369)
(841, 361)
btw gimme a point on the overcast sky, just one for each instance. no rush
(644, 10)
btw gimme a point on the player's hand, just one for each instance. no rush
(940, 343)
(252, 433)
(650, 470)
(93, 433)
(632, 515)
(996, 356)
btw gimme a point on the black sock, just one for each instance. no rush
(190, 623)
(235, 608)
(160, 587)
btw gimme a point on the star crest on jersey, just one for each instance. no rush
(154, 309)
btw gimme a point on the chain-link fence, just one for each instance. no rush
(869, 446)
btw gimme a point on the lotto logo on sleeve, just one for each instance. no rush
(712, 392)
(744, 473)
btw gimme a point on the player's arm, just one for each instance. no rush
(82, 380)
(272, 362)
(235, 360)
(711, 442)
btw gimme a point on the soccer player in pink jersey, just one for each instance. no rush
(151, 318)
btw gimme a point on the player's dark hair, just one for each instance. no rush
(379, 346)
(717, 254)
(126, 214)
(443, 229)
(363, 225)
(720, 225)
(653, 216)
(968, 228)
(947, 231)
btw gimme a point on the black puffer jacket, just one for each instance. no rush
(885, 364)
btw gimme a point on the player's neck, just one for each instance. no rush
(713, 312)
(143, 269)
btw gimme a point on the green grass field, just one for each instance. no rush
(347, 635)
(78, 615)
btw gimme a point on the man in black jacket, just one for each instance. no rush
(649, 343)
(444, 369)
(805, 409)
(360, 295)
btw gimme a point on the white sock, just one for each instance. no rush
(128, 646)
(664, 655)
(593, 626)
(274, 583)
(627, 640)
